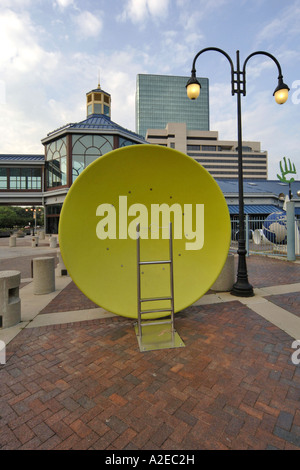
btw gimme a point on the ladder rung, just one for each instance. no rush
(164, 322)
(155, 262)
(157, 310)
(155, 298)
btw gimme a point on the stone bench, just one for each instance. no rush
(10, 302)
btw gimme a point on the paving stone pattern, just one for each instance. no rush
(290, 302)
(265, 272)
(86, 385)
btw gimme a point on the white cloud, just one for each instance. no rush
(19, 48)
(89, 25)
(285, 26)
(64, 3)
(139, 11)
(15, 3)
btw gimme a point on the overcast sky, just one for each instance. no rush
(52, 51)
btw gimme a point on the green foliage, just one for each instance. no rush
(15, 217)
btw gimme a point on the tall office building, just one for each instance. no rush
(162, 98)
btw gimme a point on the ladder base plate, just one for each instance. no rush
(156, 337)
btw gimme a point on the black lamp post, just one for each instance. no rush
(241, 288)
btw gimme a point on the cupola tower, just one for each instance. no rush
(98, 102)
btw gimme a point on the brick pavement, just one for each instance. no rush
(264, 271)
(260, 273)
(290, 302)
(87, 386)
(71, 298)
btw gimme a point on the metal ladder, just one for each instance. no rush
(140, 322)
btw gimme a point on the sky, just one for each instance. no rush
(52, 51)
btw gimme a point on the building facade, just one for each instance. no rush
(219, 157)
(71, 148)
(161, 99)
(21, 179)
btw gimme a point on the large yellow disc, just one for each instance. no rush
(152, 186)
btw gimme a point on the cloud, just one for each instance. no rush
(19, 48)
(89, 25)
(285, 26)
(64, 3)
(139, 11)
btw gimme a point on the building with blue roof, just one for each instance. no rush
(71, 148)
(45, 179)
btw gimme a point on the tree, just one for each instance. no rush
(11, 216)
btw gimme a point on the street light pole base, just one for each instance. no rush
(242, 289)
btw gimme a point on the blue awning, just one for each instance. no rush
(253, 209)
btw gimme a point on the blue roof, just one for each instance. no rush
(22, 158)
(99, 122)
(253, 209)
(257, 186)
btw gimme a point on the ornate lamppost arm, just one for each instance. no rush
(281, 91)
(193, 81)
(212, 49)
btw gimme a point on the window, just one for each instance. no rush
(56, 163)
(25, 178)
(124, 142)
(3, 178)
(86, 149)
(211, 148)
(193, 148)
(97, 108)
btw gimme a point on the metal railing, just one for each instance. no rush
(265, 238)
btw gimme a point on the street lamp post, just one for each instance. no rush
(242, 287)
(34, 211)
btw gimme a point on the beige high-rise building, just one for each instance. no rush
(219, 157)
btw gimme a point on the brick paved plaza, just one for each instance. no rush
(79, 383)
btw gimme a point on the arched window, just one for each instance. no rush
(56, 163)
(86, 149)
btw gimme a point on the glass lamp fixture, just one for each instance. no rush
(281, 92)
(193, 88)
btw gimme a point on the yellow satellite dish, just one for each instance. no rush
(152, 186)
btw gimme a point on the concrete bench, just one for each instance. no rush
(43, 275)
(10, 302)
(225, 281)
(61, 269)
